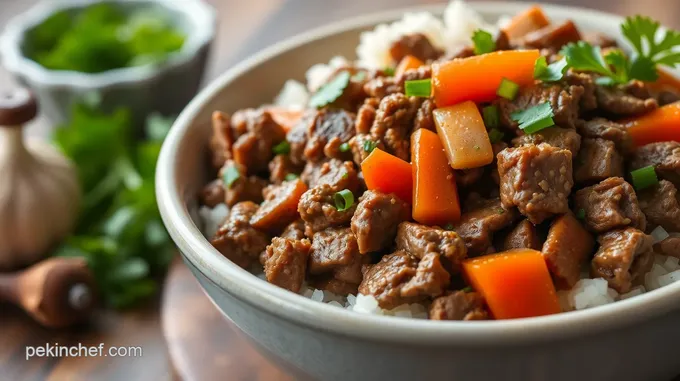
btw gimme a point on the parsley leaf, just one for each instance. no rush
(652, 46)
(549, 73)
(331, 91)
(534, 118)
(584, 57)
(483, 42)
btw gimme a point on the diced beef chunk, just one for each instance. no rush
(606, 129)
(329, 130)
(537, 179)
(493, 168)
(661, 205)
(624, 100)
(568, 246)
(294, 230)
(565, 138)
(213, 193)
(553, 36)
(588, 100)
(623, 258)
(431, 278)
(600, 39)
(664, 156)
(330, 284)
(416, 45)
(338, 174)
(244, 187)
(524, 235)
(669, 246)
(563, 99)
(253, 149)
(222, 139)
(466, 178)
(237, 240)
(297, 138)
(477, 225)
(459, 305)
(280, 206)
(383, 86)
(419, 240)
(359, 145)
(610, 204)
(287, 263)
(393, 123)
(317, 209)
(376, 220)
(665, 97)
(597, 160)
(366, 115)
(280, 167)
(332, 248)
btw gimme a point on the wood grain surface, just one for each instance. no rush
(246, 26)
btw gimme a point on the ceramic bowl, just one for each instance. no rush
(630, 340)
(165, 87)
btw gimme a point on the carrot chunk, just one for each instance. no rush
(407, 63)
(463, 134)
(285, 117)
(435, 195)
(514, 283)
(526, 22)
(388, 174)
(660, 125)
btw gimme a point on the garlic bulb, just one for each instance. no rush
(39, 189)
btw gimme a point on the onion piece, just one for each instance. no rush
(659, 234)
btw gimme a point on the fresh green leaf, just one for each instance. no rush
(344, 147)
(359, 77)
(131, 269)
(291, 176)
(158, 126)
(644, 69)
(535, 118)
(652, 46)
(369, 146)
(549, 73)
(582, 56)
(483, 42)
(389, 71)
(619, 66)
(331, 91)
(282, 148)
(495, 135)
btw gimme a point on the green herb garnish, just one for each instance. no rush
(360, 76)
(549, 73)
(369, 146)
(344, 147)
(483, 42)
(650, 51)
(282, 148)
(581, 214)
(467, 289)
(331, 91)
(507, 89)
(495, 135)
(582, 56)
(418, 88)
(389, 71)
(491, 116)
(291, 176)
(535, 118)
(644, 177)
(343, 200)
(448, 226)
(229, 175)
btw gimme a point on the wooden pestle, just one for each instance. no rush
(56, 292)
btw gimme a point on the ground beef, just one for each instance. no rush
(669, 246)
(566, 249)
(338, 174)
(329, 130)
(565, 138)
(419, 240)
(280, 206)
(244, 187)
(213, 193)
(366, 115)
(280, 167)
(287, 263)
(664, 156)
(381, 87)
(552, 37)
(564, 100)
(623, 258)
(524, 235)
(317, 209)
(424, 118)
(537, 179)
(459, 305)
(608, 130)
(393, 123)
(624, 100)
(237, 240)
(597, 160)
(610, 204)
(222, 139)
(376, 220)
(477, 224)
(661, 205)
(431, 278)
(416, 45)
(358, 145)
(253, 148)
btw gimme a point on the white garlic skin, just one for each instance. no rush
(39, 199)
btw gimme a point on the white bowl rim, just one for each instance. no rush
(306, 312)
(201, 15)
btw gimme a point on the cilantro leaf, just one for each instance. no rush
(534, 118)
(483, 42)
(644, 69)
(653, 46)
(584, 57)
(331, 91)
(549, 73)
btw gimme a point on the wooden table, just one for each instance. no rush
(245, 27)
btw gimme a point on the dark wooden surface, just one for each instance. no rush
(245, 27)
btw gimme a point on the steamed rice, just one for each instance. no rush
(458, 24)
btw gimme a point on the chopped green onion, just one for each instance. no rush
(534, 118)
(418, 88)
(282, 148)
(291, 176)
(360, 76)
(344, 147)
(483, 42)
(491, 116)
(369, 146)
(343, 200)
(388, 71)
(448, 227)
(467, 289)
(507, 89)
(230, 175)
(581, 214)
(345, 175)
(644, 177)
(495, 135)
